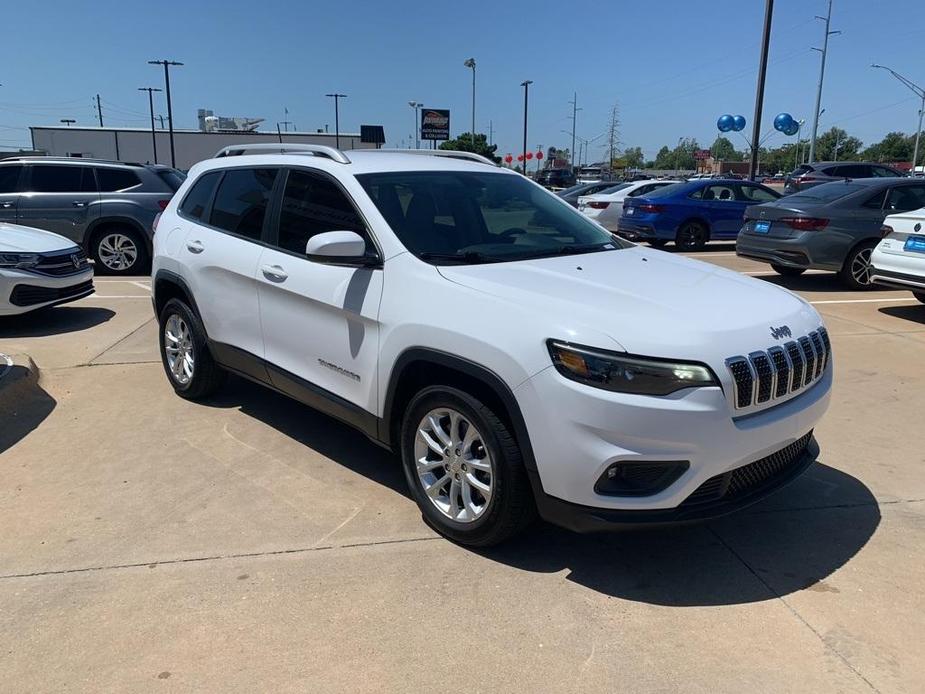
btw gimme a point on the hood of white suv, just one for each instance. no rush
(649, 302)
(19, 239)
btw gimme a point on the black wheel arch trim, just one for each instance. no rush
(174, 278)
(470, 368)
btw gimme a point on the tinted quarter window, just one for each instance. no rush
(173, 178)
(241, 201)
(62, 179)
(312, 204)
(111, 180)
(906, 198)
(9, 177)
(196, 201)
(876, 201)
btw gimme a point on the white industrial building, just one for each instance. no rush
(191, 146)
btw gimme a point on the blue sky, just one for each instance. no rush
(672, 66)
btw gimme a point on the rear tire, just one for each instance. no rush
(658, 243)
(119, 250)
(185, 354)
(855, 273)
(785, 271)
(453, 448)
(691, 236)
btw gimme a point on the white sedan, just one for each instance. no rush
(899, 259)
(39, 269)
(606, 207)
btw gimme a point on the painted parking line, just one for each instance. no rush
(860, 301)
(142, 285)
(115, 296)
(771, 273)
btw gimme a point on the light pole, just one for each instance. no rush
(921, 94)
(526, 85)
(759, 95)
(677, 157)
(471, 64)
(167, 64)
(337, 97)
(575, 110)
(824, 50)
(417, 126)
(796, 154)
(151, 91)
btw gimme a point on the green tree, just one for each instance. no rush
(464, 143)
(847, 146)
(895, 146)
(723, 149)
(633, 157)
(663, 160)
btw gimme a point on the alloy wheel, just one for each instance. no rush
(453, 465)
(860, 267)
(117, 251)
(178, 349)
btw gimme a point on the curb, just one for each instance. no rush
(19, 378)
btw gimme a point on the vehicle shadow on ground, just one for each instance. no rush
(23, 406)
(821, 282)
(712, 247)
(54, 321)
(315, 430)
(914, 312)
(792, 541)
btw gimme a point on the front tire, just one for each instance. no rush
(119, 251)
(785, 271)
(185, 354)
(691, 236)
(464, 468)
(855, 273)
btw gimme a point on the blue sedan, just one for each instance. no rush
(692, 213)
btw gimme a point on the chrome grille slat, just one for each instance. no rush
(780, 370)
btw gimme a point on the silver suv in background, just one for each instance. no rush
(107, 207)
(809, 175)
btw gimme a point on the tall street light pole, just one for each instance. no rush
(759, 93)
(919, 92)
(824, 50)
(575, 110)
(337, 97)
(526, 85)
(167, 65)
(415, 105)
(470, 63)
(151, 91)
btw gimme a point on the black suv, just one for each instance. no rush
(107, 207)
(809, 175)
(555, 178)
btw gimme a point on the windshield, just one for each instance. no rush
(828, 192)
(474, 217)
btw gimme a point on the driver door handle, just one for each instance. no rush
(79, 203)
(195, 246)
(6, 205)
(274, 273)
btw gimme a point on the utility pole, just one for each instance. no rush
(677, 156)
(526, 85)
(160, 118)
(337, 97)
(575, 110)
(470, 63)
(68, 121)
(99, 110)
(824, 50)
(417, 125)
(167, 64)
(759, 93)
(151, 91)
(491, 133)
(614, 134)
(919, 92)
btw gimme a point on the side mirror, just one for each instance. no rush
(337, 248)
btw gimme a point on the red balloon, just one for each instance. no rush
(529, 155)
(520, 157)
(509, 159)
(539, 155)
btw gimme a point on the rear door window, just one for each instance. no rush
(47, 178)
(111, 180)
(720, 194)
(241, 201)
(197, 199)
(9, 178)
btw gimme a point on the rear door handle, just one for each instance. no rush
(274, 273)
(79, 203)
(6, 205)
(195, 246)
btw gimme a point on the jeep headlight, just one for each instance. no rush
(19, 261)
(624, 373)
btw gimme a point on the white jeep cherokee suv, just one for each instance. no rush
(518, 356)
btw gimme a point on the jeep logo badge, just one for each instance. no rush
(782, 331)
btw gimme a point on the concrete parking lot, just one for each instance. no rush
(250, 544)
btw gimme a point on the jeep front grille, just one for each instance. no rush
(780, 370)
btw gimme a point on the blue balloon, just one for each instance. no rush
(793, 129)
(783, 122)
(738, 123)
(725, 123)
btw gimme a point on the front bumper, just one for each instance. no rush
(21, 292)
(577, 432)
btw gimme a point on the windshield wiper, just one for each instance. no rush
(573, 249)
(465, 258)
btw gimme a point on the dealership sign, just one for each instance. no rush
(701, 154)
(435, 124)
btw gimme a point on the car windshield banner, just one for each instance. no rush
(435, 124)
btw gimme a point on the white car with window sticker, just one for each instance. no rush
(606, 207)
(517, 357)
(899, 259)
